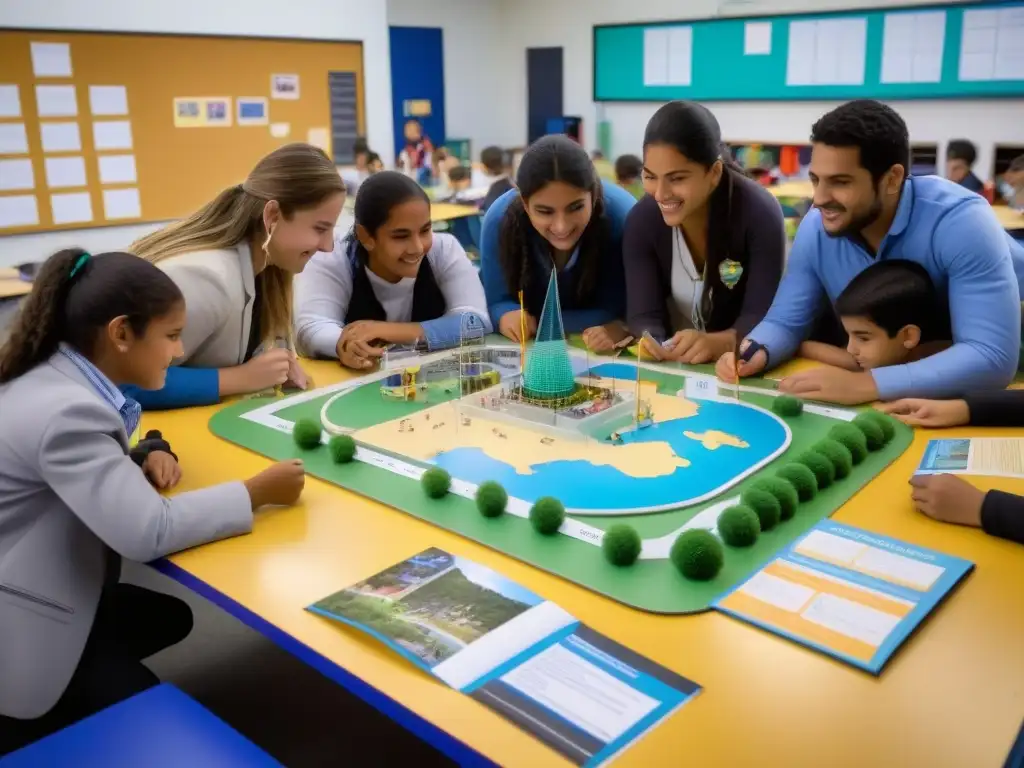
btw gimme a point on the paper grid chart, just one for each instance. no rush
(992, 46)
(827, 52)
(668, 55)
(912, 46)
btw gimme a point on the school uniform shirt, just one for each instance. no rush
(972, 182)
(72, 502)
(664, 289)
(221, 300)
(496, 190)
(972, 261)
(336, 289)
(607, 300)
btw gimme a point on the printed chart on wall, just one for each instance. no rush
(581, 693)
(850, 593)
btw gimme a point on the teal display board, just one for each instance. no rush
(960, 51)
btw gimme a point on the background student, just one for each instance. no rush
(948, 498)
(416, 159)
(892, 316)
(233, 260)
(1011, 184)
(73, 501)
(960, 157)
(628, 172)
(561, 217)
(498, 165)
(391, 281)
(366, 162)
(704, 250)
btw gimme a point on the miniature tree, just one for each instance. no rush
(783, 491)
(788, 406)
(764, 505)
(342, 448)
(621, 544)
(887, 423)
(802, 479)
(822, 467)
(873, 434)
(838, 454)
(853, 439)
(698, 554)
(739, 526)
(436, 482)
(491, 499)
(547, 515)
(306, 433)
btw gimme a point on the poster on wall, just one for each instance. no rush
(189, 113)
(252, 111)
(280, 130)
(284, 86)
(218, 113)
(319, 137)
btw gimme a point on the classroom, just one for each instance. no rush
(479, 382)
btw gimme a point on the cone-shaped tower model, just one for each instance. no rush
(548, 374)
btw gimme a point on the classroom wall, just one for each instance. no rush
(569, 23)
(313, 19)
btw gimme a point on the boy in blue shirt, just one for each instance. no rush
(867, 210)
(960, 157)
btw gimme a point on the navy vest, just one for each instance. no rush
(428, 302)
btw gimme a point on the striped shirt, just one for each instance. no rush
(129, 410)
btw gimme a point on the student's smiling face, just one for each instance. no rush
(872, 347)
(400, 243)
(845, 193)
(148, 356)
(560, 212)
(677, 183)
(294, 240)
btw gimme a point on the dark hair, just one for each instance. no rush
(373, 157)
(493, 159)
(376, 197)
(893, 294)
(962, 149)
(552, 158)
(360, 145)
(873, 128)
(72, 308)
(1017, 164)
(628, 167)
(458, 173)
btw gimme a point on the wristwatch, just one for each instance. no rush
(751, 349)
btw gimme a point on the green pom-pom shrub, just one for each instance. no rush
(698, 554)
(853, 439)
(765, 506)
(802, 479)
(621, 544)
(342, 448)
(873, 434)
(307, 434)
(783, 491)
(491, 499)
(788, 406)
(887, 423)
(838, 454)
(739, 527)
(436, 482)
(547, 515)
(820, 464)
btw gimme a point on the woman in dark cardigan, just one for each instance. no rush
(704, 251)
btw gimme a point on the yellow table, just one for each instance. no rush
(1010, 219)
(13, 287)
(449, 211)
(952, 697)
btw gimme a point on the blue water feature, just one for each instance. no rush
(581, 485)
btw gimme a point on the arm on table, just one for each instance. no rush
(183, 388)
(829, 355)
(984, 308)
(1002, 515)
(322, 293)
(499, 299)
(996, 408)
(463, 295)
(645, 294)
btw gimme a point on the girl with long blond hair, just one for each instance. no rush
(233, 261)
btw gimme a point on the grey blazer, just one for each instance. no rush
(69, 494)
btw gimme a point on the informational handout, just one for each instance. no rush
(112, 134)
(10, 101)
(65, 172)
(56, 101)
(51, 59)
(108, 100)
(121, 204)
(757, 38)
(280, 130)
(16, 174)
(827, 52)
(849, 593)
(912, 46)
(581, 693)
(992, 456)
(60, 137)
(668, 55)
(74, 208)
(18, 211)
(117, 169)
(992, 43)
(13, 139)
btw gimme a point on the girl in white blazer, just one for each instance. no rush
(74, 498)
(233, 261)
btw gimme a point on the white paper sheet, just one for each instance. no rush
(16, 175)
(117, 169)
(656, 56)
(280, 130)
(757, 38)
(112, 134)
(992, 45)
(13, 139)
(18, 211)
(680, 55)
(319, 137)
(860, 622)
(800, 55)
(121, 204)
(71, 208)
(785, 595)
(56, 101)
(108, 99)
(60, 137)
(827, 52)
(65, 172)
(51, 59)
(10, 101)
(912, 46)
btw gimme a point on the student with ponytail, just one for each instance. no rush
(704, 250)
(75, 499)
(392, 280)
(233, 261)
(561, 216)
